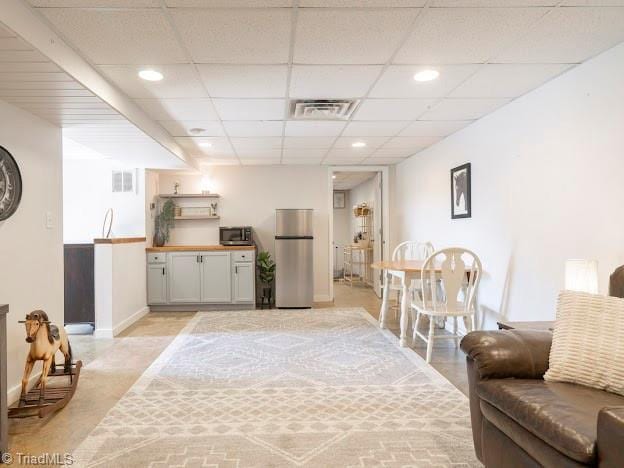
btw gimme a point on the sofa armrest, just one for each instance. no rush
(611, 437)
(499, 354)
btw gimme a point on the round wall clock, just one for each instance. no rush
(10, 185)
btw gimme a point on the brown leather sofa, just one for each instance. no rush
(520, 420)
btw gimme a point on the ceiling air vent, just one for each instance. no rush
(322, 109)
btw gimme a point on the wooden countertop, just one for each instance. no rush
(119, 240)
(200, 248)
(409, 266)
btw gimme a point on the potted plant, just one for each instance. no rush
(266, 273)
(163, 223)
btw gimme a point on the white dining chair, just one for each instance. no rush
(450, 280)
(408, 250)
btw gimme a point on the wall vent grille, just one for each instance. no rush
(322, 109)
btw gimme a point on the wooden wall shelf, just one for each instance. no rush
(189, 195)
(195, 217)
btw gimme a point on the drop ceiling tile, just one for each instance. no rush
(493, 3)
(382, 128)
(507, 80)
(465, 35)
(304, 142)
(434, 127)
(229, 3)
(208, 146)
(362, 3)
(183, 127)
(332, 81)
(268, 161)
(234, 35)
(250, 109)
(5, 32)
(253, 128)
(259, 153)
(350, 36)
(42, 85)
(180, 81)
(302, 161)
(383, 161)
(392, 109)
(398, 81)
(117, 36)
(371, 142)
(262, 143)
(342, 161)
(179, 109)
(307, 153)
(349, 153)
(313, 128)
(43, 92)
(410, 143)
(393, 153)
(244, 81)
(568, 35)
(463, 109)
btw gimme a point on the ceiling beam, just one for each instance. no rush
(22, 20)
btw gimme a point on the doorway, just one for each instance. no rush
(358, 228)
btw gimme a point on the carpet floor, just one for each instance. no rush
(313, 388)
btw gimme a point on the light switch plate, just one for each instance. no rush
(49, 222)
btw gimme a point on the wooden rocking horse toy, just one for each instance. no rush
(45, 340)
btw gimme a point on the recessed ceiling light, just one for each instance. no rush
(426, 75)
(150, 75)
(197, 130)
(205, 144)
(358, 144)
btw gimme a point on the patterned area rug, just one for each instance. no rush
(322, 388)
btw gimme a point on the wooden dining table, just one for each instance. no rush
(406, 271)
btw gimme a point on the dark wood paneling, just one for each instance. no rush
(79, 283)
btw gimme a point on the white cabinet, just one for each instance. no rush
(184, 277)
(244, 289)
(216, 277)
(216, 286)
(156, 283)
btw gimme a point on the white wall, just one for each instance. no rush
(120, 287)
(547, 185)
(342, 222)
(87, 194)
(249, 197)
(31, 276)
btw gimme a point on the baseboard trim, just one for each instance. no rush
(113, 332)
(130, 320)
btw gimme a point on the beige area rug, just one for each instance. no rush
(322, 388)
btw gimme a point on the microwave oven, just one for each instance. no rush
(239, 235)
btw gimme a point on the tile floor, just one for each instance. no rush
(113, 365)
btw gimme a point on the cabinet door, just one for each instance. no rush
(216, 286)
(244, 290)
(184, 277)
(157, 284)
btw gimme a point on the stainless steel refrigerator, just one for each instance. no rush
(294, 257)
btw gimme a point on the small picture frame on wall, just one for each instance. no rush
(461, 192)
(339, 199)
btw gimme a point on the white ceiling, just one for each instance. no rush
(231, 66)
(350, 180)
(91, 128)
